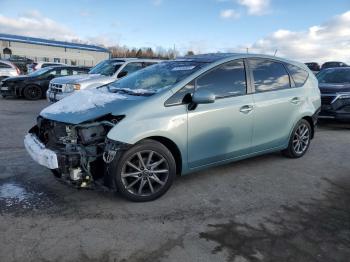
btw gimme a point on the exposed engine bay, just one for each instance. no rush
(80, 148)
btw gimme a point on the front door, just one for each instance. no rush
(221, 130)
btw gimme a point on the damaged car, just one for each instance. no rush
(176, 117)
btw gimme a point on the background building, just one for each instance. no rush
(39, 49)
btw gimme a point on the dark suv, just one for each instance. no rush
(333, 64)
(334, 84)
(35, 85)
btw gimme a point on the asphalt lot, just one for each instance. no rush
(268, 208)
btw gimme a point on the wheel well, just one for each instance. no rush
(21, 92)
(311, 122)
(172, 148)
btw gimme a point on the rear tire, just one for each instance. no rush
(32, 92)
(299, 141)
(144, 172)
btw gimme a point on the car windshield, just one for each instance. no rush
(106, 68)
(40, 71)
(156, 77)
(334, 76)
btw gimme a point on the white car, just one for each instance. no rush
(8, 69)
(38, 65)
(103, 73)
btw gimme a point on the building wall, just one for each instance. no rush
(49, 53)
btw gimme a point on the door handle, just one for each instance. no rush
(246, 109)
(295, 100)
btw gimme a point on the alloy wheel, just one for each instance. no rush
(145, 173)
(301, 139)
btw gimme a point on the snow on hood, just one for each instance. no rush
(76, 79)
(82, 101)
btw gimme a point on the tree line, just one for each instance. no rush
(146, 52)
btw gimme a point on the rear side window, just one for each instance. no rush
(2, 65)
(269, 75)
(78, 72)
(226, 80)
(298, 75)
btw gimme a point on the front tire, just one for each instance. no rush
(144, 172)
(299, 141)
(32, 92)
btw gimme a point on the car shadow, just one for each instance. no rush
(318, 230)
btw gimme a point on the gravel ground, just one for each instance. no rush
(268, 208)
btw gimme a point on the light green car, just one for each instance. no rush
(135, 135)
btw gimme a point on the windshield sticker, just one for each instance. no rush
(183, 68)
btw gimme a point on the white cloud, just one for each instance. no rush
(34, 24)
(256, 7)
(320, 43)
(229, 14)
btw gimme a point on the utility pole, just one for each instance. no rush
(247, 50)
(174, 51)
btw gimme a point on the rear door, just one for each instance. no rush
(221, 130)
(277, 104)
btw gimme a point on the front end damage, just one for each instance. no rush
(83, 151)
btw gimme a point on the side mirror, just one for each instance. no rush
(50, 77)
(203, 97)
(122, 74)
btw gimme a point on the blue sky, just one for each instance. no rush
(202, 25)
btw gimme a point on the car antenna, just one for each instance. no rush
(275, 52)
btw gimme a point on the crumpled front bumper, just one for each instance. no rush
(39, 152)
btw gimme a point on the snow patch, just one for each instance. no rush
(83, 100)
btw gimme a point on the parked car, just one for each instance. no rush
(8, 69)
(103, 73)
(35, 85)
(313, 66)
(333, 65)
(21, 62)
(38, 65)
(334, 84)
(177, 117)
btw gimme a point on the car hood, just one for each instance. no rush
(17, 78)
(78, 79)
(90, 104)
(334, 88)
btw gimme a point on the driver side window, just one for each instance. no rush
(226, 80)
(132, 67)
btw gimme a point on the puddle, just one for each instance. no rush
(314, 231)
(17, 197)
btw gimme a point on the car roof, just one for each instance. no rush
(43, 62)
(329, 62)
(67, 66)
(128, 59)
(216, 57)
